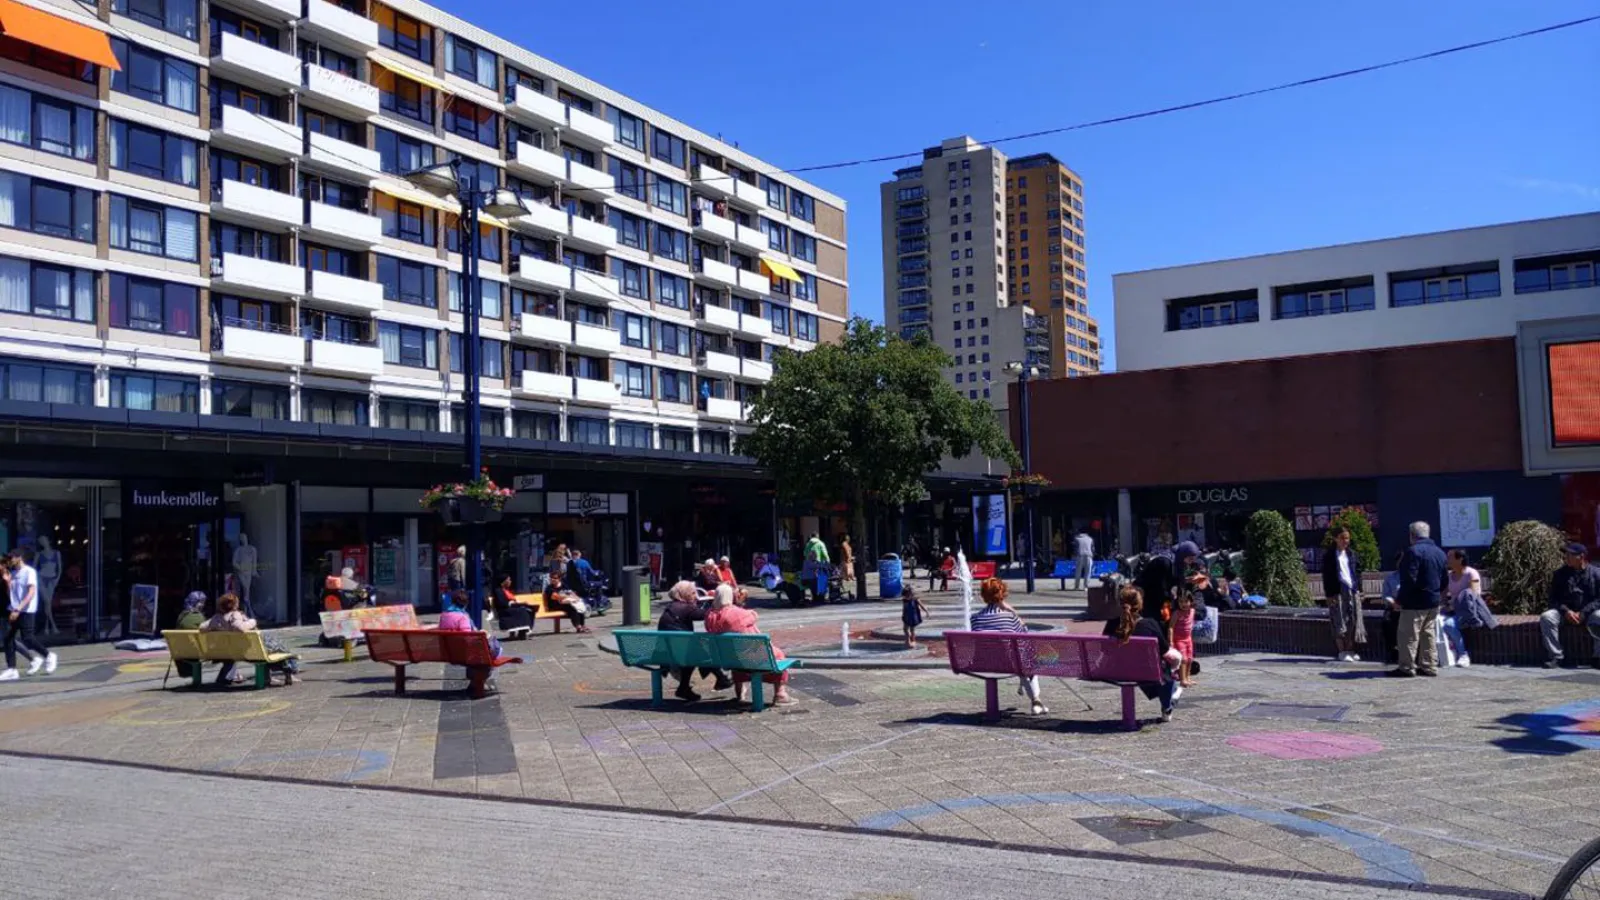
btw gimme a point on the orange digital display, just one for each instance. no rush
(1575, 393)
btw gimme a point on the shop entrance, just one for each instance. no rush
(172, 538)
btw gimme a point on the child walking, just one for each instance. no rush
(1183, 632)
(912, 613)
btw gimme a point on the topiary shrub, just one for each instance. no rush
(1362, 540)
(1521, 560)
(1272, 565)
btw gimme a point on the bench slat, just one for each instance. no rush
(1082, 656)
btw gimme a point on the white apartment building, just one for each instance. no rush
(1427, 288)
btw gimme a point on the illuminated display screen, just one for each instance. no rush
(1575, 393)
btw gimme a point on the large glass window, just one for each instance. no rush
(632, 378)
(145, 304)
(145, 227)
(404, 97)
(154, 153)
(408, 282)
(672, 290)
(673, 340)
(398, 154)
(249, 400)
(155, 77)
(224, 93)
(802, 206)
(491, 421)
(804, 246)
(491, 300)
(677, 440)
(318, 122)
(48, 60)
(227, 166)
(249, 242)
(471, 62)
(404, 220)
(630, 228)
(335, 260)
(1556, 274)
(1444, 285)
(667, 147)
(333, 407)
(471, 121)
(488, 238)
(1213, 310)
(675, 386)
(670, 195)
(581, 430)
(536, 426)
(35, 383)
(45, 123)
(409, 415)
(715, 443)
(630, 129)
(1323, 300)
(635, 435)
(630, 178)
(409, 345)
(157, 393)
(805, 326)
(491, 357)
(635, 331)
(46, 290)
(46, 207)
(403, 34)
(635, 280)
(670, 242)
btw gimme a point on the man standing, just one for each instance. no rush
(1574, 598)
(1085, 547)
(20, 612)
(815, 571)
(1423, 580)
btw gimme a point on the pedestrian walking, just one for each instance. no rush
(1341, 586)
(1424, 578)
(912, 612)
(1085, 549)
(22, 584)
(847, 558)
(1574, 598)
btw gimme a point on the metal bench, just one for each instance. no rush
(992, 655)
(660, 652)
(1068, 568)
(403, 647)
(513, 617)
(198, 647)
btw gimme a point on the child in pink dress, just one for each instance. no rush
(1183, 635)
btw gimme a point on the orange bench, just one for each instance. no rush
(404, 647)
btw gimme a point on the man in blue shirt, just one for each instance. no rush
(1424, 580)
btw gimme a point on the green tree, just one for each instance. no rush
(863, 421)
(1520, 561)
(1362, 540)
(1272, 565)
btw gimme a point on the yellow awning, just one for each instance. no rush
(413, 195)
(404, 72)
(775, 269)
(41, 29)
(486, 219)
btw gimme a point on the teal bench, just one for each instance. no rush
(660, 652)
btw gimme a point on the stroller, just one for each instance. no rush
(595, 589)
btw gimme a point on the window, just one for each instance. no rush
(805, 326)
(635, 331)
(408, 282)
(248, 400)
(471, 62)
(488, 238)
(333, 408)
(806, 287)
(403, 34)
(334, 260)
(777, 193)
(490, 296)
(1212, 310)
(666, 147)
(535, 426)
(630, 179)
(582, 430)
(44, 123)
(172, 16)
(675, 386)
(677, 440)
(249, 242)
(1444, 285)
(162, 307)
(635, 280)
(491, 357)
(632, 378)
(1559, 273)
(587, 367)
(408, 415)
(715, 443)
(144, 227)
(1325, 299)
(155, 77)
(670, 243)
(630, 129)
(779, 317)
(517, 76)
(673, 340)
(630, 231)
(153, 153)
(45, 207)
(398, 154)
(409, 345)
(635, 435)
(45, 290)
(473, 122)
(404, 97)
(670, 195)
(33, 383)
(802, 206)
(155, 393)
(778, 237)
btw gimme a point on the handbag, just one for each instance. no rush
(1205, 630)
(578, 604)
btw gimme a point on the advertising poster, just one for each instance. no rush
(1302, 518)
(142, 623)
(1192, 527)
(354, 558)
(1320, 516)
(1466, 522)
(651, 554)
(386, 566)
(989, 525)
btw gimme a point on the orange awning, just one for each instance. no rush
(53, 32)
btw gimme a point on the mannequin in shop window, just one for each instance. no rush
(48, 562)
(245, 568)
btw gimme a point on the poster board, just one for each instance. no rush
(142, 616)
(1466, 521)
(347, 624)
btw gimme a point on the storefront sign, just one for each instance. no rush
(989, 526)
(1203, 496)
(528, 482)
(576, 503)
(154, 497)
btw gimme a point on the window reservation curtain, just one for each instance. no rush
(14, 297)
(16, 108)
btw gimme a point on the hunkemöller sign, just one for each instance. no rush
(202, 499)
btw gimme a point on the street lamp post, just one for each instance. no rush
(445, 180)
(1025, 373)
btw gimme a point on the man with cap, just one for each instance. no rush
(1163, 574)
(1574, 598)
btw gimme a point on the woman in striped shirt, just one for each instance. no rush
(997, 615)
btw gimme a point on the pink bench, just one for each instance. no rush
(992, 655)
(982, 571)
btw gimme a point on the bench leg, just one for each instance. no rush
(399, 681)
(655, 688)
(991, 697)
(261, 675)
(349, 650)
(477, 676)
(758, 701)
(557, 623)
(199, 674)
(1129, 720)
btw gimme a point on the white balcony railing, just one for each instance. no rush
(750, 194)
(246, 61)
(529, 104)
(756, 370)
(720, 363)
(347, 293)
(271, 347)
(341, 91)
(541, 217)
(594, 234)
(336, 25)
(750, 237)
(719, 318)
(246, 273)
(712, 181)
(256, 205)
(256, 133)
(589, 390)
(710, 224)
(727, 410)
(597, 286)
(545, 385)
(591, 179)
(544, 329)
(346, 226)
(595, 337)
(754, 326)
(343, 156)
(542, 272)
(718, 272)
(754, 282)
(528, 160)
(353, 359)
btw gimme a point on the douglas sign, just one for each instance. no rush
(1200, 496)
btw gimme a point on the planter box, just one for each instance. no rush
(466, 511)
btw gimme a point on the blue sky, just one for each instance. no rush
(1498, 134)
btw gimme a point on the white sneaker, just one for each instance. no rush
(1344, 657)
(1354, 657)
(1464, 661)
(1177, 691)
(35, 665)
(50, 664)
(9, 675)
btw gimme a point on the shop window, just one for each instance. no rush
(333, 408)
(491, 421)
(582, 430)
(409, 415)
(715, 443)
(35, 383)
(678, 440)
(155, 393)
(635, 435)
(536, 426)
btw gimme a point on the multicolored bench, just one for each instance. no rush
(993, 655)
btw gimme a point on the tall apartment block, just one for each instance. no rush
(204, 230)
(1044, 250)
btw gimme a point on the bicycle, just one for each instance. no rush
(1579, 879)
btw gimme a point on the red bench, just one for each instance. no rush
(992, 655)
(404, 647)
(982, 570)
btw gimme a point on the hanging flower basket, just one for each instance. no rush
(473, 502)
(1026, 485)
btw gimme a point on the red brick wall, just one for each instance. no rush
(1411, 410)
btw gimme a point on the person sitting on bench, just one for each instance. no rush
(1133, 623)
(558, 598)
(455, 618)
(772, 578)
(683, 610)
(229, 618)
(726, 618)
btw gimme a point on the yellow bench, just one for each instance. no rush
(540, 611)
(200, 647)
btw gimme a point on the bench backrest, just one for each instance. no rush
(420, 645)
(647, 648)
(349, 623)
(1084, 656)
(982, 570)
(245, 646)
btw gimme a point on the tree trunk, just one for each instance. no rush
(858, 513)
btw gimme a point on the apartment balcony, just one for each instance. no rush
(756, 327)
(345, 227)
(334, 25)
(718, 318)
(591, 234)
(544, 219)
(544, 385)
(344, 293)
(340, 93)
(751, 238)
(719, 363)
(246, 274)
(256, 206)
(365, 360)
(548, 330)
(270, 10)
(709, 225)
(590, 390)
(598, 338)
(754, 283)
(247, 62)
(715, 272)
(531, 162)
(248, 345)
(529, 105)
(712, 181)
(725, 410)
(256, 135)
(755, 370)
(590, 179)
(541, 273)
(596, 286)
(750, 194)
(342, 157)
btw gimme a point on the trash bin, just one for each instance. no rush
(635, 595)
(889, 577)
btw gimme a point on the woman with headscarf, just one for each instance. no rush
(727, 618)
(682, 611)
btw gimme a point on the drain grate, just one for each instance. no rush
(1294, 711)
(1126, 830)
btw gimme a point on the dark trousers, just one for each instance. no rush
(20, 631)
(571, 611)
(685, 673)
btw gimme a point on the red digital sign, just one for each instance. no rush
(1575, 393)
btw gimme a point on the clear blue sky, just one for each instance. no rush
(1503, 133)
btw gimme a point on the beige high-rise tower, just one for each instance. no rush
(1045, 259)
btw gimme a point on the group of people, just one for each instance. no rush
(228, 616)
(725, 613)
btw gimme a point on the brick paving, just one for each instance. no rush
(1456, 781)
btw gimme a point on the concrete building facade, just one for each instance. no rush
(1045, 259)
